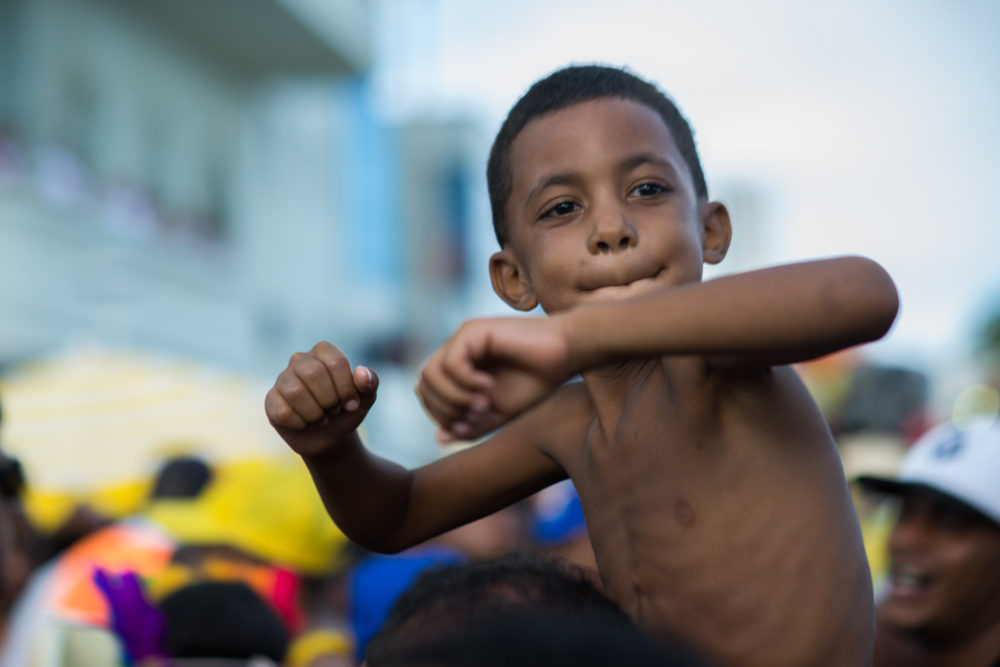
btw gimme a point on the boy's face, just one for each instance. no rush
(602, 206)
(944, 576)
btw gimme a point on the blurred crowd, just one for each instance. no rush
(237, 562)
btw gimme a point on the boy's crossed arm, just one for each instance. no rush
(492, 370)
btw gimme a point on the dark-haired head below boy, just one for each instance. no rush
(222, 619)
(436, 615)
(531, 638)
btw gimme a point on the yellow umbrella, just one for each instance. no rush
(90, 423)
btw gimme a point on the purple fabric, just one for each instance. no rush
(138, 624)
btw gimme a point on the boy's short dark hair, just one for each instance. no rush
(443, 601)
(565, 88)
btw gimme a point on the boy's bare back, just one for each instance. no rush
(712, 490)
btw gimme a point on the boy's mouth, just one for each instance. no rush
(618, 280)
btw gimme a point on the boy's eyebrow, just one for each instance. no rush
(640, 159)
(564, 178)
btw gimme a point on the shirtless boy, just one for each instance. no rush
(712, 489)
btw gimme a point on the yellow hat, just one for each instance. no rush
(268, 508)
(318, 643)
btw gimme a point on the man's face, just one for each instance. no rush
(602, 205)
(944, 569)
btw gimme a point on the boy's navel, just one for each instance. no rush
(684, 513)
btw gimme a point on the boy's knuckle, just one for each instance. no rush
(324, 346)
(296, 359)
(295, 392)
(270, 403)
(312, 371)
(339, 363)
(284, 383)
(282, 415)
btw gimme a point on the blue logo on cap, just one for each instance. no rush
(949, 447)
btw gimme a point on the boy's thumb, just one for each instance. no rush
(366, 381)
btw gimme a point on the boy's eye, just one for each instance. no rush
(648, 189)
(562, 208)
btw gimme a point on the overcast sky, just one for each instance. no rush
(847, 127)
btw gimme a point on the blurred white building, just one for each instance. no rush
(208, 178)
(137, 137)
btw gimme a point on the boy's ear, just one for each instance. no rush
(510, 283)
(716, 232)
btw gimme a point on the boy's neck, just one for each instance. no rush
(612, 386)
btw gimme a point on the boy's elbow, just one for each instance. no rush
(380, 544)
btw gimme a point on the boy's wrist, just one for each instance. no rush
(577, 332)
(336, 451)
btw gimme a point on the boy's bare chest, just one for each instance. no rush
(658, 435)
(650, 486)
(683, 500)
(691, 436)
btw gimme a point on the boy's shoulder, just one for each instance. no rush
(558, 424)
(735, 385)
(571, 403)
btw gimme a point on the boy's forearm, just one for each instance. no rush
(773, 316)
(366, 496)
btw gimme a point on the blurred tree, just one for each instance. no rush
(884, 399)
(986, 350)
(988, 338)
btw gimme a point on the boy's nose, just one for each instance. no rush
(611, 233)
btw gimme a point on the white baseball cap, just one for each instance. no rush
(963, 463)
